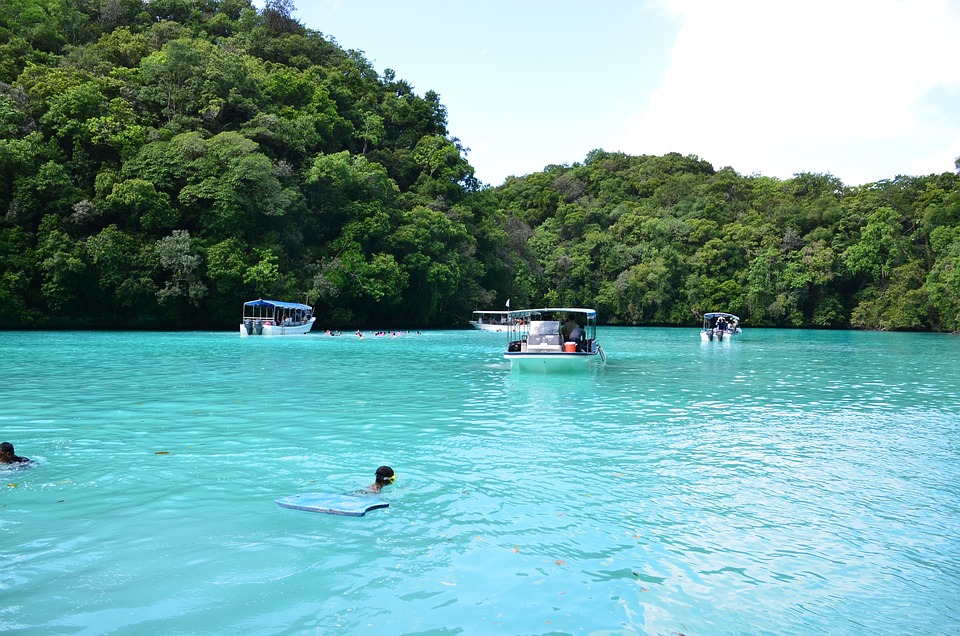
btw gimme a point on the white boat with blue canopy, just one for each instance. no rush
(275, 318)
(552, 338)
(719, 326)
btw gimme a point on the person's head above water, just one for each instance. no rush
(385, 476)
(7, 455)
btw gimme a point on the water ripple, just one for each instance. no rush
(791, 482)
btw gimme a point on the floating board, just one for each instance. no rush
(347, 505)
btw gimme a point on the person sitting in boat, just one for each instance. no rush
(7, 455)
(577, 335)
(568, 328)
(384, 477)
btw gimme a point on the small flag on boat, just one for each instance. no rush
(508, 303)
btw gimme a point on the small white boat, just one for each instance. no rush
(490, 320)
(275, 318)
(719, 326)
(552, 339)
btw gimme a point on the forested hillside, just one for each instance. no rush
(162, 162)
(661, 240)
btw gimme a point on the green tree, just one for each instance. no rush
(18, 269)
(431, 248)
(262, 275)
(881, 248)
(180, 262)
(126, 288)
(943, 282)
(138, 199)
(444, 170)
(62, 266)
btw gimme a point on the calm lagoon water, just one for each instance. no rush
(791, 482)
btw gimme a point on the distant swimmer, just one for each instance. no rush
(7, 456)
(385, 477)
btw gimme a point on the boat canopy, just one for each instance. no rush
(521, 313)
(717, 314)
(277, 303)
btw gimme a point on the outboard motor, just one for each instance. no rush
(248, 326)
(258, 327)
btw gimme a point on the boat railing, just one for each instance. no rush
(271, 318)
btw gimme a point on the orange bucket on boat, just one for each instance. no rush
(570, 347)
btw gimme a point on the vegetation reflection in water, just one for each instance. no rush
(788, 482)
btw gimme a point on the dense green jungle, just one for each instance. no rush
(162, 162)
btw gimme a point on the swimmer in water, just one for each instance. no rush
(384, 477)
(7, 456)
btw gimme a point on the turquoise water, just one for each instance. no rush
(791, 482)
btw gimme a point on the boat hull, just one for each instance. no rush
(708, 336)
(277, 330)
(551, 361)
(489, 320)
(488, 327)
(719, 326)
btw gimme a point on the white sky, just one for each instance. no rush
(862, 89)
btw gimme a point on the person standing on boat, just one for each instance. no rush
(384, 477)
(7, 455)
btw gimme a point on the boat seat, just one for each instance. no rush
(544, 347)
(543, 339)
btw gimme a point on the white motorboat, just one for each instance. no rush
(275, 318)
(552, 339)
(489, 320)
(719, 326)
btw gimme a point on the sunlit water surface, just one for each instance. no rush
(792, 482)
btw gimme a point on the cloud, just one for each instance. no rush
(859, 88)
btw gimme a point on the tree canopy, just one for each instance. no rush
(161, 162)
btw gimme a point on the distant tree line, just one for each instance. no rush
(161, 162)
(662, 240)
